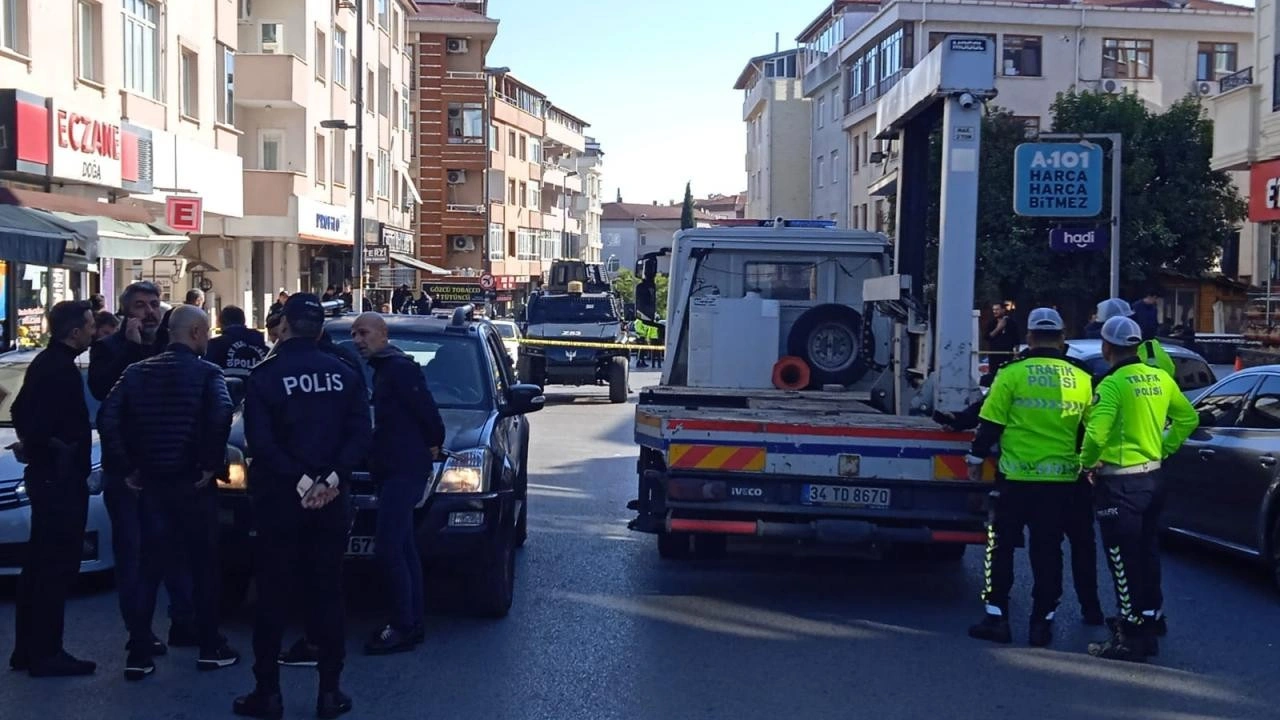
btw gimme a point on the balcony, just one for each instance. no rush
(267, 192)
(820, 73)
(276, 80)
(564, 135)
(1236, 79)
(1235, 121)
(557, 177)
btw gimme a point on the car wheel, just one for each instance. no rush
(829, 339)
(673, 546)
(493, 589)
(617, 380)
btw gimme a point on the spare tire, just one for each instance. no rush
(829, 339)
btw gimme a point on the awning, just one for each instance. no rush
(27, 237)
(124, 240)
(408, 183)
(416, 264)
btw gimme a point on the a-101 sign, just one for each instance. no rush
(1057, 180)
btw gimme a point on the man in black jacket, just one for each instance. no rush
(54, 439)
(306, 423)
(408, 434)
(135, 341)
(239, 348)
(164, 427)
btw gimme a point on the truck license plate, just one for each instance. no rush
(360, 545)
(845, 495)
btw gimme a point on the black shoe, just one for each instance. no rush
(332, 703)
(994, 628)
(259, 704)
(183, 635)
(62, 665)
(389, 640)
(157, 648)
(138, 665)
(1041, 633)
(1125, 644)
(302, 654)
(217, 659)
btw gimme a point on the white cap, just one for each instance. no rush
(1113, 307)
(1121, 332)
(1046, 319)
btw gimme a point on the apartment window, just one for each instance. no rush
(395, 28)
(1022, 55)
(271, 37)
(822, 171)
(226, 85)
(371, 93)
(354, 167)
(535, 150)
(821, 112)
(511, 143)
(382, 14)
(1032, 124)
(370, 174)
(835, 105)
(496, 245)
(535, 197)
(322, 159)
(339, 158)
(340, 56)
(88, 38)
(384, 173)
(13, 25)
(271, 149)
(1127, 59)
(524, 147)
(405, 120)
(1215, 60)
(142, 47)
(395, 109)
(866, 150)
(493, 138)
(322, 54)
(189, 83)
(526, 244)
(857, 154)
(522, 193)
(835, 167)
(466, 123)
(512, 200)
(384, 90)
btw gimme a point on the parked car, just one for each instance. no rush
(1192, 372)
(15, 506)
(474, 513)
(1224, 483)
(510, 333)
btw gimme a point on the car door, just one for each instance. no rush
(1251, 455)
(507, 428)
(1193, 472)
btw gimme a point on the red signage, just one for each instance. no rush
(1264, 192)
(184, 214)
(87, 135)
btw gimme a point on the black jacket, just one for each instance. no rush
(51, 406)
(407, 423)
(110, 356)
(167, 418)
(304, 413)
(237, 350)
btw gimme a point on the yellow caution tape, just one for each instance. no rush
(602, 345)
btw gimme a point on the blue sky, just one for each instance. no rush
(653, 77)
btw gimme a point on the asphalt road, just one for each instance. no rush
(602, 628)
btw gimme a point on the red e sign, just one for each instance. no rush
(184, 214)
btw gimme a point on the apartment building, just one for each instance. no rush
(108, 110)
(1246, 140)
(590, 204)
(1160, 50)
(297, 68)
(564, 144)
(632, 229)
(779, 137)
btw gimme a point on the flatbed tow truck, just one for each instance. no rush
(803, 370)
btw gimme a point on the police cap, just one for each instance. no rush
(303, 307)
(1121, 332)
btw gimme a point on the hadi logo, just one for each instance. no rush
(1080, 239)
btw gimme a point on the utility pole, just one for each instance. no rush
(490, 73)
(357, 260)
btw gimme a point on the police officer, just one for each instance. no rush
(1034, 411)
(239, 348)
(1125, 442)
(301, 511)
(1150, 351)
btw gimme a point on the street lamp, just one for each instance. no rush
(357, 176)
(489, 73)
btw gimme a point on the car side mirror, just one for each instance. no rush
(523, 399)
(235, 388)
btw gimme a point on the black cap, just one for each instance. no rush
(304, 307)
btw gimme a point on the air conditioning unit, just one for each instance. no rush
(1203, 88)
(455, 46)
(462, 243)
(457, 177)
(1111, 86)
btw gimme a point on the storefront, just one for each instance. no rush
(325, 237)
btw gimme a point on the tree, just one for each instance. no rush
(661, 283)
(686, 212)
(624, 283)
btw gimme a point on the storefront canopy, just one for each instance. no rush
(30, 236)
(416, 264)
(124, 240)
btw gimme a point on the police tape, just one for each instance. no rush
(599, 345)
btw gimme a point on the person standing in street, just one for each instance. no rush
(1002, 336)
(1150, 351)
(1034, 411)
(408, 436)
(299, 484)
(164, 427)
(239, 348)
(51, 419)
(135, 341)
(1125, 443)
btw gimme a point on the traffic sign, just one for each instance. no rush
(1057, 180)
(1081, 238)
(487, 282)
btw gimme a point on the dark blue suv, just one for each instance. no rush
(474, 513)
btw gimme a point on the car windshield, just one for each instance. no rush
(565, 309)
(506, 330)
(451, 364)
(11, 377)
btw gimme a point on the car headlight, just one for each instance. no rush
(94, 481)
(465, 472)
(20, 491)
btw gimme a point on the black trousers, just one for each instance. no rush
(1044, 509)
(179, 524)
(1128, 509)
(1083, 538)
(59, 509)
(301, 549)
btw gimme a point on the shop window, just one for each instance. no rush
(1127, 58)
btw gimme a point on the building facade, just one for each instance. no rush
(632, 229)
(297, 68)
(590, 204)
(779, 135)
(109, 109)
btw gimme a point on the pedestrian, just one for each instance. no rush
(135, 341)
(239, 348)
(164, 427)
(1125, 443)
(1002, 336)
(278, 305)
(1151, 352)
(1146, 312)
(97, 303)
(1034, 411)
(348, 296)
(51, 419)
(273, 329)
(399, 297)
(104, 325)
(408, 435)
(299, 486)
(424, 303)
